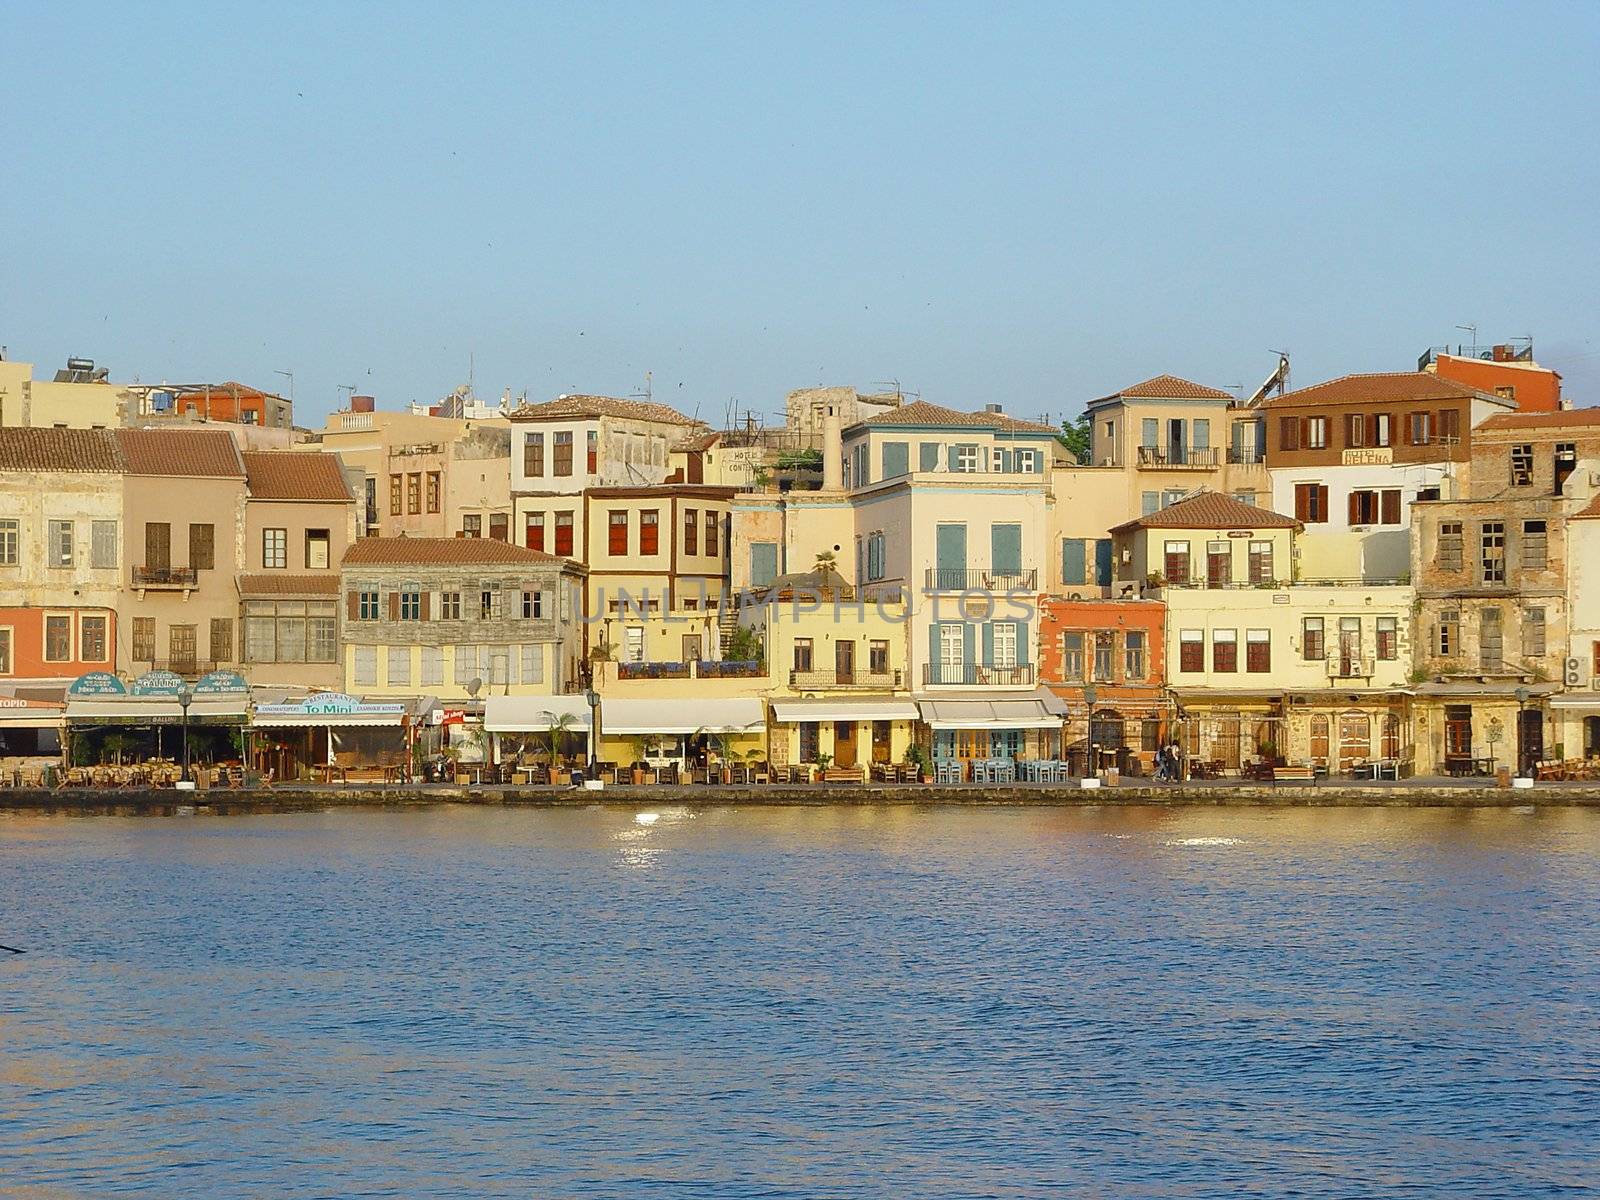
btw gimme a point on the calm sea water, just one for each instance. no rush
(893, 1002)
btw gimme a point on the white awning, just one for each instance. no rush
(1572, 700)
(157, 710)
(794, 711)
(744, 714)
(1029, 712)
(30, 717)
(292, 720)
(533, 714)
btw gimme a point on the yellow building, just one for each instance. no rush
(79, 397)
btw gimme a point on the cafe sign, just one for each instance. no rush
(221, 683)
(325, 704)
(97, 683)
(158, 683)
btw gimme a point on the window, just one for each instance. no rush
(1533, 632)
(1245, 498)
(1219, 564)
(1149, 433)
(1289, 433)
(691, 531)
(181, 648)
(394, 496)
(1535, 545)
(633, 644)
(275, 548)
(450, 606)
(433, 491)
(1224, 650)
(57, 639)
(1105, 656)
(1074, 561)
(877, 657)
(60, 543)
(1421, 428)
(8, 543)
(1072, 656)
(1449, 632)
(414, 493)
(1261, 564)
(562, 455)
(369, 489)
(92, 638)
(592, 451)
(875, 555)
(1133, 655)
(366, 602)
(144, 639)
(221, 639)
(928, 456)
(1364, 508)
(317, 549)
(410, 603)
(1458, 730)
(564, 534)
(103, 545)
(490, 607)
(1258, 651)
(1311, 503)
(617, 533)
(158, 545)
(896, 459)
(1316, 433)
(1389, 506)
(466, 665)
(1521, 466)
(500, 527)
(967, 459)
(802, 654)
(5, 652)
(1005, 644)
(1491, 640)
(432, 664)
(1311, 643)
(1492, 548)
(1449, 428)
(650, 531)
(1027, 462)
(1448, 555)
(1388, 639)
(472, 525)
(1149, 502)
(533, 455)
(364, 667)
(533, 606)
(1191, 650)
(533, 531)
(713, 523)
(1381, 435)
(1355, 430)
(398, 668)
(532, 664)
(1175, 563)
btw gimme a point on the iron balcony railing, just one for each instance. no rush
(1350, 666)
(978, 674)
(178, 577)
(1194, 459)
(963, 579)
(653, 670)
(1246, 456)
(806, 681)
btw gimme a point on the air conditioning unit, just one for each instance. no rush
(1573, 676)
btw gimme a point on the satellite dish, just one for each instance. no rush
(474, 687)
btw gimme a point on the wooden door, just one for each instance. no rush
(844, 661)
(844, 743)
(1355, 739)
(158, 545)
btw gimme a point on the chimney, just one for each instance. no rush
(832, 454)
(363, 403)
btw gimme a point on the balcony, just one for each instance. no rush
(1205, 459)
(1247, 456)
(653, 670)
(962, 579)
(729, 669)
(1350, 666)
(188, 668)
(976, 674)
(819, 681)
(166, 578)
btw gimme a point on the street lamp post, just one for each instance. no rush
(1090, 766)
(1522, 695)
(185, 698)
(593, 697)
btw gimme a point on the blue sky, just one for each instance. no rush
(1033, 205)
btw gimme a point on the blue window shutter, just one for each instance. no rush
(1074, 566)
(896, 459)
(954, 457)
(1022, 643)
(967, 652)
(929, 452)
(1102, 561)
(1005, 549)
(988, 643)
(933, 649)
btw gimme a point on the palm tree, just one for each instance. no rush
(558, 729)
(826, 560)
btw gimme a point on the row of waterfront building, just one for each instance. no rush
(1383, 567)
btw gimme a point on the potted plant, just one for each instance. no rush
(556, 733)
(640, 771)
(824, 761)
(917, 756)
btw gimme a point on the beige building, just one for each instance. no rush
(300, 518)
(79, 397)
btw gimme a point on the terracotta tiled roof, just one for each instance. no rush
(1388, 387)
(94, 450)
(1211, 510)
(294, 475)
(1170, 387)
(1576, 418)
(1592, 509)
(276, 584)
(186, 453)
(442, 552)
(600, 406)
(699, 441)
(920, 412)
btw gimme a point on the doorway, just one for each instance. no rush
(844, 661)
(1530, 742)
(844, 743)
(1591, 737)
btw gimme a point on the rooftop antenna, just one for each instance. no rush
(349, 389)
(289, 375)
(1473, 330)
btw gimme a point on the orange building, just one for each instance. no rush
(1115, 647)
(1505, 371)
(45, 644)
(233, 402)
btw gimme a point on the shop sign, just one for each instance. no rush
(97, 683)
(221, 683)
(330, 704)
(158, 683)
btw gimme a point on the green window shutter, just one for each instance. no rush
(1005, 546)
(1074, 566)
(933, 648)
(896, 459)
(967, 647)
(1103, 562)
(929, 452)
(988, 643)
(1022, 643)
(955, 457)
